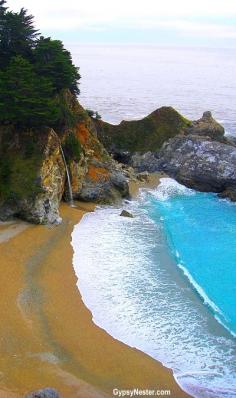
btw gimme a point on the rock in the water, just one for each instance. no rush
(229, 193)
(126, 213)
(44, 393)
(200, 163)
(206, 126)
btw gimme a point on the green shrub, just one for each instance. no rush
(72, 148)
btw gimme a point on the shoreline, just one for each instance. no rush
(48, 337)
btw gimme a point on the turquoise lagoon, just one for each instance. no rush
(165, 282)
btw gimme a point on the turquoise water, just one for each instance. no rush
(164, 282)
(201, 232)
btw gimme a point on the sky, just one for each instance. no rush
(210, 23)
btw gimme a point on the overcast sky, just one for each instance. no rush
(172, 22)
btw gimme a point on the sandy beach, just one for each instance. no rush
(47, 336)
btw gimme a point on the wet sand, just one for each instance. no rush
(47, 337)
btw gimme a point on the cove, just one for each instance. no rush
(201, 233)
(158, 282)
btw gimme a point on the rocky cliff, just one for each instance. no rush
(32, 171)
(32, 175)
(95, 176)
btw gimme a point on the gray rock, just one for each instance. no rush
(144, 162)
(206, 126)
(107, 190)
(126, 213)
(230, 139)
(44, 393)
(200, 163)
(119, 180)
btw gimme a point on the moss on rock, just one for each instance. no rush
(147, 134)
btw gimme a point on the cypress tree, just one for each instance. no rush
(17, 35)
(25, 98)
(54, 61)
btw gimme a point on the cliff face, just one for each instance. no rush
(32, 175)
(95, 176)
(147, 134)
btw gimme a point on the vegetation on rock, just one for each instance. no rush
(147, 134)
(72, 147)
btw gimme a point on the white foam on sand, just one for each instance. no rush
(129, 281)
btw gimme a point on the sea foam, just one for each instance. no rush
(130, 280)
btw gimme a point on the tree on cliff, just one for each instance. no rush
(55, 62)
(34, 73)
(17, 36)
(25, 98)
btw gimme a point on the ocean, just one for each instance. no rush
(164, 281)
(129, 82)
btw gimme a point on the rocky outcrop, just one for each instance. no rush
(147, 134)
(200, 163)
(207, 126)
(32, 175)
(95, 176)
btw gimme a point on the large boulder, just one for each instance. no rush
(206, 126)
(32, 175)
(147, 134)
(201, 163)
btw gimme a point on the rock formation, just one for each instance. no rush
(32, 175)
(207, 126)
(95, 175)
(200, 163)
(147, 134)
(32, 171)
